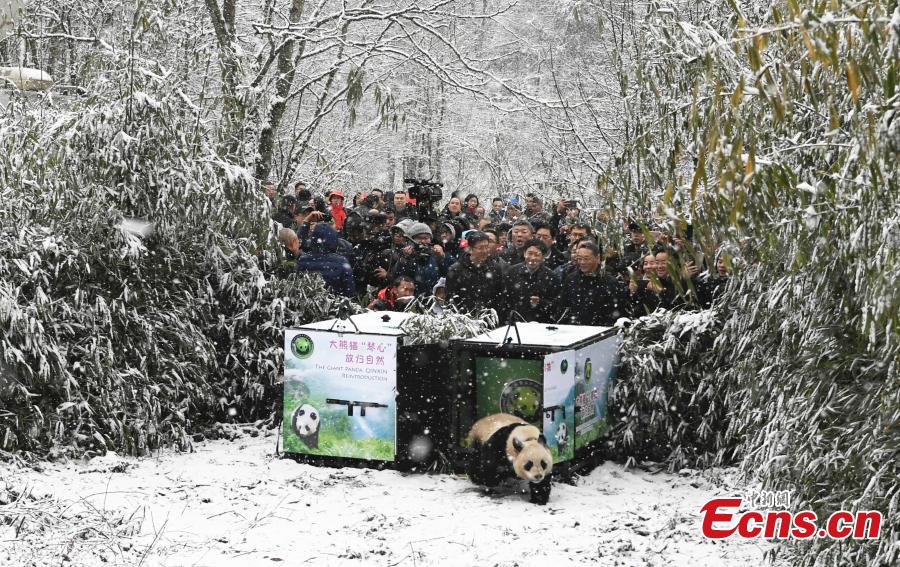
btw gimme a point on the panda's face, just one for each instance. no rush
(562, 432)
(518, 438)
(306, 420)
(533, 463)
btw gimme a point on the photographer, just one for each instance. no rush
(379, 263)
(364, 240)
(285, 215)
(565, 213)
(324, 260)
(453, 213)
(421, 260)
(534, 209)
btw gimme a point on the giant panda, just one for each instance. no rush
(503, 445)
(305, 425)
(562, 437)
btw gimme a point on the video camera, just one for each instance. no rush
(423, 252)
(426, 193)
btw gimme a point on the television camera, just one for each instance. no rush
(426, 193)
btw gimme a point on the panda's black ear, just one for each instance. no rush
(517, 444)
(542, 440)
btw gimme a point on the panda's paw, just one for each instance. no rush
(540, 499)
(540, 494)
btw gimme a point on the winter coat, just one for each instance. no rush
(408, 212)
(359, 256)
(424, 269)
(461, 219)
(472, 287)
(287, 265)
(643, 301)
(634, 253)
(565, 269)
(497, 217)
(542, 216)
(597, 299)
(513, 256)
(323, 260)
(339, 214)
(285, 218)
(554, 259)
(522, 284)
(710, 289)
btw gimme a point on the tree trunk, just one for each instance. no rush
(286, 70)
(232, 106)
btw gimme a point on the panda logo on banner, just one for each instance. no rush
(302, 346)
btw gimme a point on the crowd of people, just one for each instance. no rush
(527, 263)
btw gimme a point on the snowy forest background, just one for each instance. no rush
(773, 126)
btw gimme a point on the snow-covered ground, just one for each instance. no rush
(235, 503)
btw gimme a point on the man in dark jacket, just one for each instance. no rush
(635, 248)
(554, 257)
(323, 260)
(522, 232)
(476, 281)
(591, 296)
(401, 208)
(421, 260)
(710, 288)
(531, 288)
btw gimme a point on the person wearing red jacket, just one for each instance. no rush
(336, 199)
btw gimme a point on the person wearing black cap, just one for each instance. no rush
(477, 280)
(636, 247)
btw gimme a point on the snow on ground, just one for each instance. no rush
(237, 504)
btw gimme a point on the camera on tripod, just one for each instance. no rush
(426, 193)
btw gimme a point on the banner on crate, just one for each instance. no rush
(595, 368)
(339, 394)
(559, 404)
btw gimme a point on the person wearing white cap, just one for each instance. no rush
(439, 291)
(421, 260)
(405, 225)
